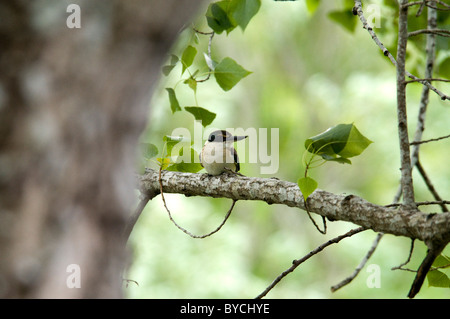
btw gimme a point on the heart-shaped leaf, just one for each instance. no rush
(307, 186)
(201, 114)
(188, 57)
(228, 73)
(338, 143)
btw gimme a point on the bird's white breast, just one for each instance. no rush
(216, 156)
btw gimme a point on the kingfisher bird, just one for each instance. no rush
(218, 153)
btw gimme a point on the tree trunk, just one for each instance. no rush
(73, 103)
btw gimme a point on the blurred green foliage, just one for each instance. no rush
(308, 74)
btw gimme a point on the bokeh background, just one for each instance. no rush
(309, 73)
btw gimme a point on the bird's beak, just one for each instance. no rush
(238, 138)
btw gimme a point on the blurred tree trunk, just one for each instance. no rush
(73, 103)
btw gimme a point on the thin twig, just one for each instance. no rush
(298, 262)
(185, 230)
(211, 36)
(128, 282)
(408, 260)
(431, 186)
(435, 202)
(440, 32)
(132, 220)
(369, 254)
(430, 140)
(361, 265)
(426, 3)
(358, 10)
(426, 80)
(324, 221)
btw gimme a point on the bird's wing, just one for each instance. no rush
(200, 157)
(236, 159)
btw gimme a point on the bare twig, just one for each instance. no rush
(363, 262)
(426, 80)
(358, 10)
(411, 249)
(128, 282)
(185, 230)
(298, 262)
(427, 3)
(132, 220)
(370, 252)
(405, 159)
(324, 221)
(430, 140)
(435, 202)
(440, 32)
(211, 36)
(431, 186)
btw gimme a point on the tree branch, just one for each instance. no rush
(431, 54)
(298, 262)
(407, 223)
(405, 159)
(433, 251)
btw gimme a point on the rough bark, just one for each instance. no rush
(73, 103)
(400, 222)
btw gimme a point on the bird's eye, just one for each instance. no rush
(212, 138)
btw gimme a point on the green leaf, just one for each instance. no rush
(341, 160)
(444, 68)
(185, 167)
(174, 105)
(219, 18)
(437, 278)
(441, 261)
(244, 10)
(228, 73)
(312, 5)
(148, 150)
(201, 114)
(345, 18)
(307, 186)
(167, 68)
(186, 163)
(188, 57)
(338, 143)
(191, 83)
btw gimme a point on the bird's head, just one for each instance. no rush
(222, 136)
